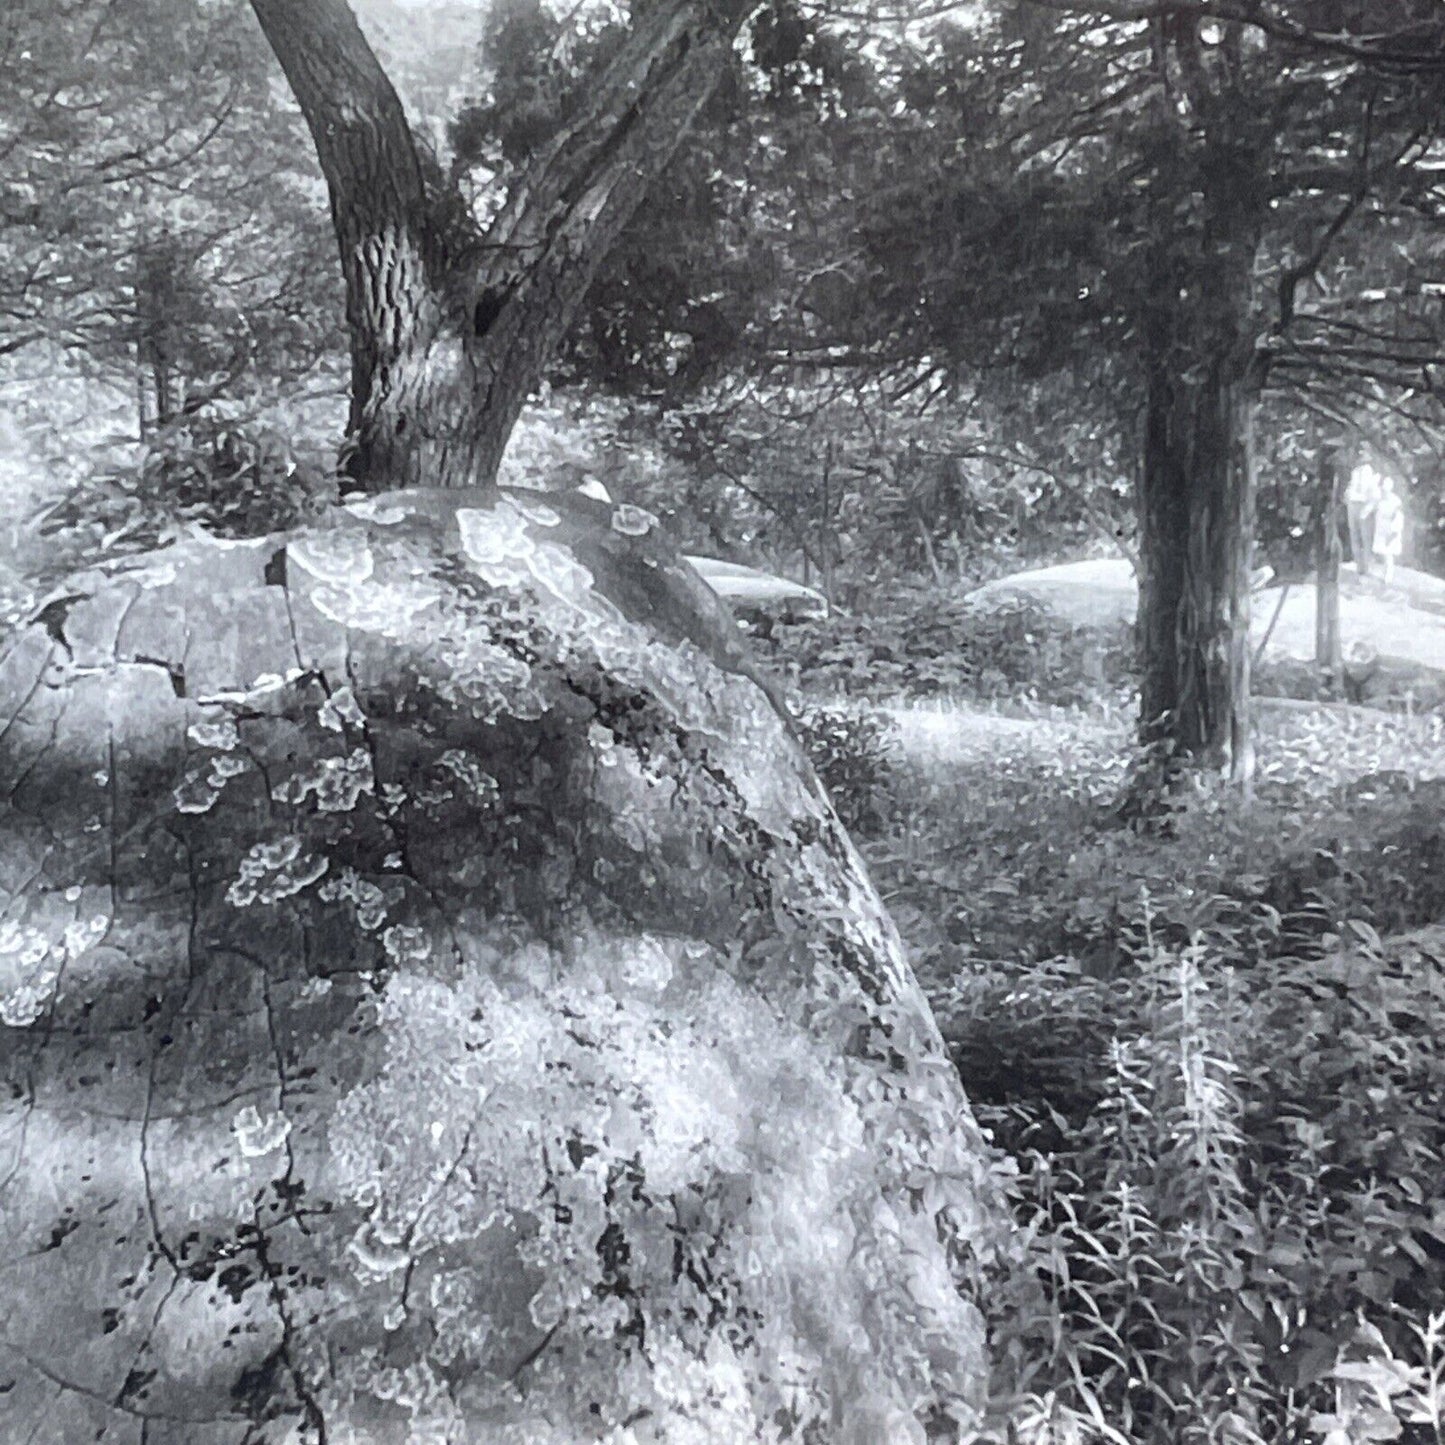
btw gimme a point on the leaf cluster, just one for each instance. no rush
(155, 214)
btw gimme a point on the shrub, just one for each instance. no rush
(235, 477)
(1223, 1171)
(916, 644)
(851, 752)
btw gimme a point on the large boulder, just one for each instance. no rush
(437, 1003)
(1098, 592)
(758, 597)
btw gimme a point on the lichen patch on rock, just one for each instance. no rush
(484, 1030)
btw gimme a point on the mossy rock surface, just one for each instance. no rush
(438, 1003)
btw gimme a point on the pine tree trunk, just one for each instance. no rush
(1197, 484)
(1196, 535)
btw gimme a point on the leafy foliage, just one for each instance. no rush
(1019, 852)
(1255, 1167)
(237, 477)
(915, 644)
(1216, 1057)
(157, 222)
(850, 751)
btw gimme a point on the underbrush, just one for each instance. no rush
(854, 754)
(217, 468)
(915, 643)
(1216, 1052)
(1020, 853)
(1230, 1185)
(235, 468)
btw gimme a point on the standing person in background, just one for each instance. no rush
(1362, 496)
(1389, 539)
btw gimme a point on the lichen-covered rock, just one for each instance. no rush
(437, 1004)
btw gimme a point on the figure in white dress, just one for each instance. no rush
(1362, 496)
(1389, 539)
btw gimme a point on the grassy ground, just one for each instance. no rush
(1001, 841)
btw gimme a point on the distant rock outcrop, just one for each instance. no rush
(1401, 628)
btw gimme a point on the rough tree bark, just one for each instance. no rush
(1196, 488)
(450, 326)
(1196, 540)
(437, 1001)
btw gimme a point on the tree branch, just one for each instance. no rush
(1307, 267)
(1416, 47)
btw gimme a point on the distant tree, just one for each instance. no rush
(1167, 183)
(856, 475)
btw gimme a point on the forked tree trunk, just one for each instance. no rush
(451, 327)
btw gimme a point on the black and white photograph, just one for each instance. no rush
(722, 722)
